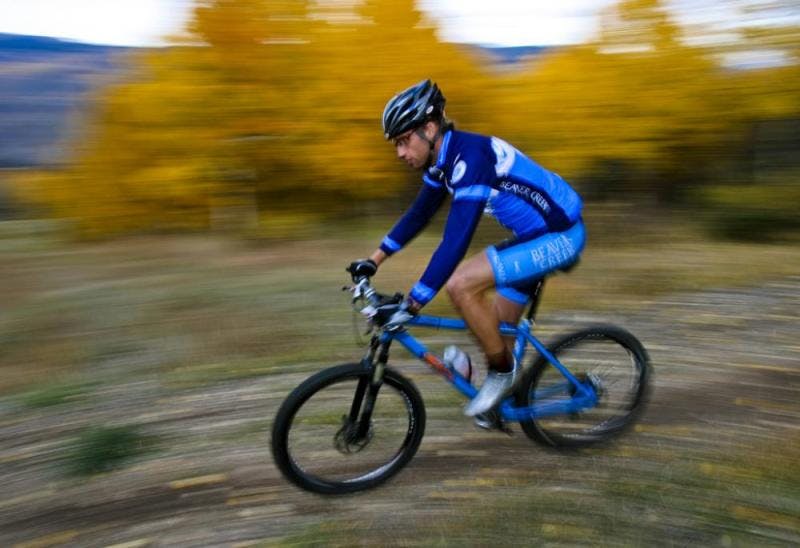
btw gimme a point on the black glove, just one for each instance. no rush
(362, 268)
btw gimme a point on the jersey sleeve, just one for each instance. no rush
(428, 201)
(459, 229)
(471, 179)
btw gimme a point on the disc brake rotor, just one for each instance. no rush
(346, 440)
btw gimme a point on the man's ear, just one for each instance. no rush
(431, 129)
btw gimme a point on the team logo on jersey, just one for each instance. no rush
(526, 193)
(505, 156)
(458, 171)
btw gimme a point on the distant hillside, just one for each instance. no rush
(515, 54)
(42, 83)
(21, 43)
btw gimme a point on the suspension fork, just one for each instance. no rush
(369, 385)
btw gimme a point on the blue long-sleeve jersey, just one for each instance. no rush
(483, 174)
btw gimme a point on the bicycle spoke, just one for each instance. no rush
(609, 361)
(323, 442)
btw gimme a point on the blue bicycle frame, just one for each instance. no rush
(582, 394)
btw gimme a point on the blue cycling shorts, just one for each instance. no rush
(518, 265)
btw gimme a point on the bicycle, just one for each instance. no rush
(333, 434)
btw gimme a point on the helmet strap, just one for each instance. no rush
(420, 131)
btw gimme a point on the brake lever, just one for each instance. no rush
(355, 290)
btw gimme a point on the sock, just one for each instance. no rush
(502, 362)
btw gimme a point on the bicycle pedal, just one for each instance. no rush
(491, 421)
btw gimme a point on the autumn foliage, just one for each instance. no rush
(265, 114)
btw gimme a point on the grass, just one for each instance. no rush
(52, 394)
(202, 309)
(105, 448)
(198, 310)
(749, 499)
(334, 534)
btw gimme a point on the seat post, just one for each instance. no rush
(536, 296)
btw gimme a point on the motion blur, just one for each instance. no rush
(163, 265)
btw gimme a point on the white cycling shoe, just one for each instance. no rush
(494, 389)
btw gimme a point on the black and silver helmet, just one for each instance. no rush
(412, 108)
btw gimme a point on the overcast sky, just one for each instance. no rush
(147, 22)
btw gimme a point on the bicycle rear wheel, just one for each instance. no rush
(317, 446)
(613, 361)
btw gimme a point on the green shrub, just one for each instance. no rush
(754, 212)
(100, 449)
(53, 394)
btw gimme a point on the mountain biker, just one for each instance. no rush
(483, 174)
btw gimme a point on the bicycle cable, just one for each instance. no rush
(358, 318)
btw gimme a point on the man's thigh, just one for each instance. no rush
(478, 272)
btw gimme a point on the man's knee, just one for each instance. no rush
(471, 278)
(457, 286)
(463, 284)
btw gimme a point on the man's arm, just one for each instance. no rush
(378, 256)
(465, 213)
(417, 216)
(468, 205)
(428, 201)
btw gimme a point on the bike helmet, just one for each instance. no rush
(412, 108)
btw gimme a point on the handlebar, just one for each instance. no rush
(379, 307)
(363, 289)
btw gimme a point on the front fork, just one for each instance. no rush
(368, 386)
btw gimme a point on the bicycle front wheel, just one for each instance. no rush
(318, 446)
(608, 358)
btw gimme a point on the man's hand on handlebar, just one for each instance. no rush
(389, 311)
(413, 306)
(362, 268)
(401, 315)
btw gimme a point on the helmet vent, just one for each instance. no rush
(411, 108)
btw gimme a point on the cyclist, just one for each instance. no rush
(483, 174)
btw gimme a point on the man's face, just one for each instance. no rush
(412, 149)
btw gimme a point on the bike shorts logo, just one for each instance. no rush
(527, 193)
(499, 267)
(553, 254)
(458, 171)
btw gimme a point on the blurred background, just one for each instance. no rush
(264, 117)
(177, 208)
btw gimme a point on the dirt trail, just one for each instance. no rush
(727, 393)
